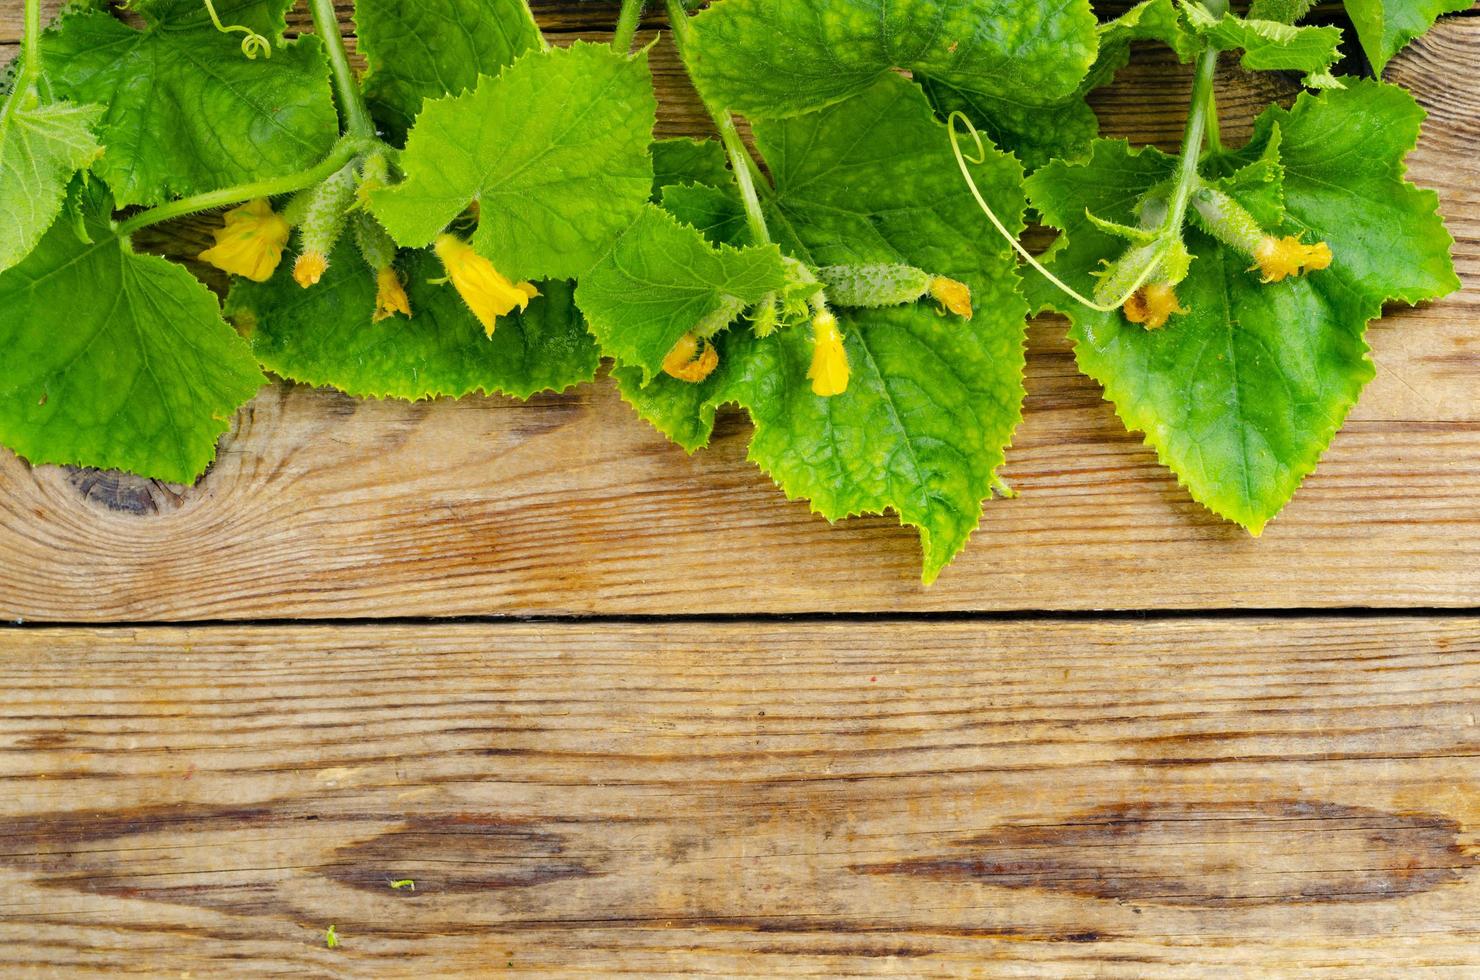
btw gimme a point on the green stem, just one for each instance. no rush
(31, 53)
(343, 153)
(351, 102)
(741, 162)
(627, 25)
(1192, 143)
(746, 172)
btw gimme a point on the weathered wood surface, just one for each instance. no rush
(1109, 799)
(321, 506)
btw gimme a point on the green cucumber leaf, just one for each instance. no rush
(688, 161)
(1241, 396)
(433, 48)
(1284, 11)
(772, 59)
(661, 279)
(42, 145)
(324, 335)
(186, 111)
(1152, 20)
(1269, 45)
(116, 360)
(1386, 26)
(716, 213)
(1064, 130)
(1035, 134)
(554, 150)
(932, 401)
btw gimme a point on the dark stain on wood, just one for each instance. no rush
(1211, 855)
(547, 412)
(447, 853)
(125, 493)
(462, 853)
(37, 835)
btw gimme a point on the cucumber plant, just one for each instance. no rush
(484, 212)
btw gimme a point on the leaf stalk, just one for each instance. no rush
(31, 53)
(345, 151)
(1192, 142)
(357, 122)
(741, 162)
(627, 23)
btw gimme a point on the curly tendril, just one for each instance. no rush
(962, 161)
(252, 45)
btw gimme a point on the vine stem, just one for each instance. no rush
(627, 23)
(346, 150)
(1192, 141)
(356, 116)
(746, 171)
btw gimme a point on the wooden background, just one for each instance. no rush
(618, 710)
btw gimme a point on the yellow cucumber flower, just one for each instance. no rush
(488, 293)
(952, 296)
(829, 371)
(390, 295)
(1151, 306)
(1289, 256)
(310, 268)
(691, 359)
(251, 242)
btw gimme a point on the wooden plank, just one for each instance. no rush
(1116, 799)
(321, 506)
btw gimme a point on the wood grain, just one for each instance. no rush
(1109, 799)
(324, 507)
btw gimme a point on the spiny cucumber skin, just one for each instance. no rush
(872, 286)
(730, 307)
(374, 241)
(1227, 220)
(1116, 281)
(376, 171)
(326, 211)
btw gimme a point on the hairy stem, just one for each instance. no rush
(741, 163)
(1192, 142)
(31, 54)
(746, 171)
(351, 102)
(343, 153)
(627, 25)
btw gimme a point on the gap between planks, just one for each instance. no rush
(1231, 614)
